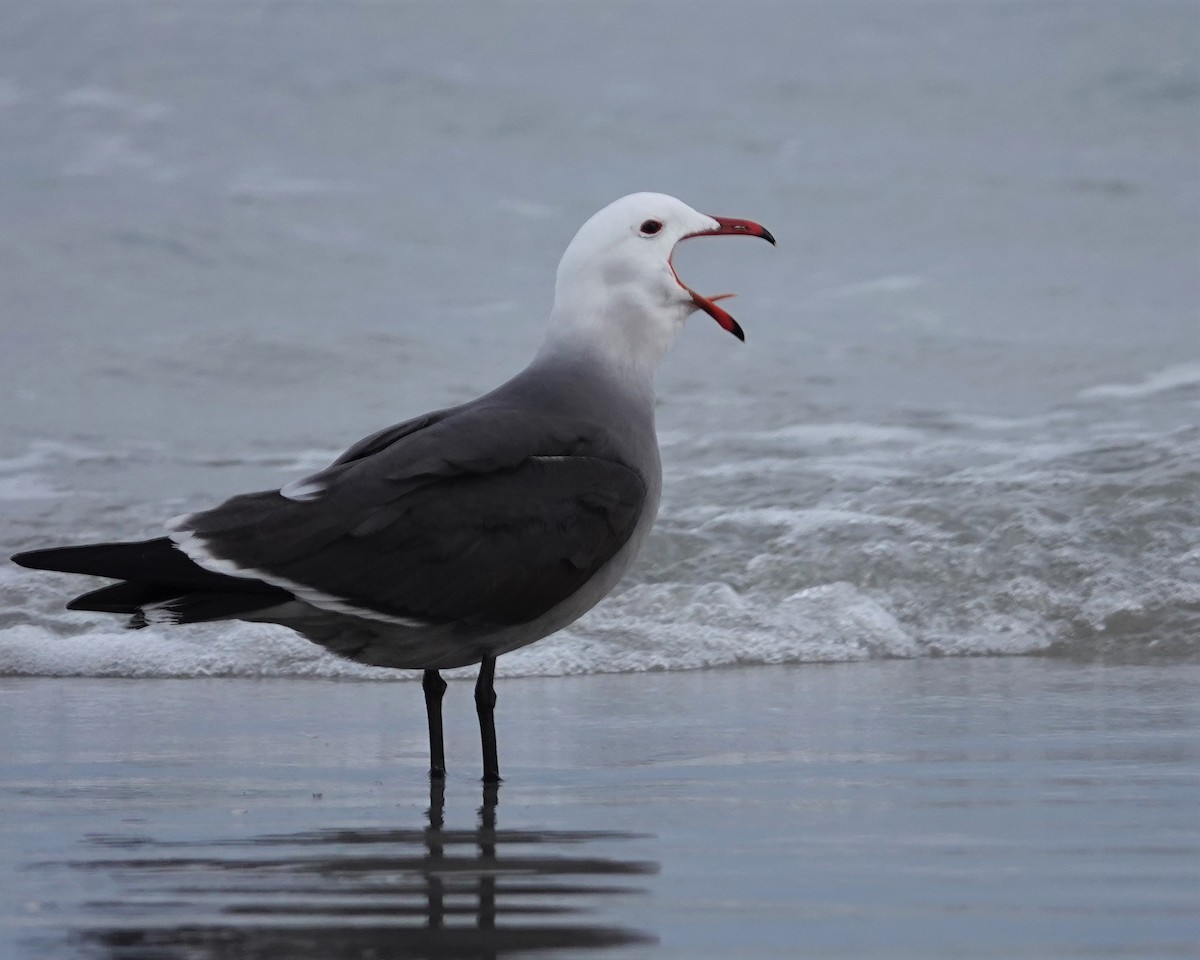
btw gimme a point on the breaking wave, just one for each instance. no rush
(1069, 534)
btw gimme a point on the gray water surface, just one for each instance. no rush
(953, 808)
(237, 237)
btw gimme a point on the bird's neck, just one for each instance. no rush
(625, 335)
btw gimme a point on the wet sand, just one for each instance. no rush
(940, 808)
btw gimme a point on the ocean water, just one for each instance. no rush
(237, 237)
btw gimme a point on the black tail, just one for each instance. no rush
(155, 573)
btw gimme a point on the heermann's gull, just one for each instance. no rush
(465, 533)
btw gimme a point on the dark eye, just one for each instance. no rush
(650, 227)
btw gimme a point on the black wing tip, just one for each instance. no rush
(33, 559)
(95, 606)
(87, 558)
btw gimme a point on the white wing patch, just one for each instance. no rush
(179, 524)
(304, 490)
(163, 612)
(191, 544)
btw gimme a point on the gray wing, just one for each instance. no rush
(487, 517)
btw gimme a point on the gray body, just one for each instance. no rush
(575, 451)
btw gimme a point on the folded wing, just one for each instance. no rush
(482, 519)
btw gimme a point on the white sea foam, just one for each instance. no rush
(651, 627)
(26, 487)
(679, 626)
(1169, 378)
(242, 649)
(31, 475)
(806, 543)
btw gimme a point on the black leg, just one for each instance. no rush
(485, 705)
(434, 686)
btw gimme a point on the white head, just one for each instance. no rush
(617, 292)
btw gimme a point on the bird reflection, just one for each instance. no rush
(381, 893)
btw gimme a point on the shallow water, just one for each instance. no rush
(966, 808)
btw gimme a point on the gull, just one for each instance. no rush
(459, 535)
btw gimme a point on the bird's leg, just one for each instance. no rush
(485, 705)
(434, 686)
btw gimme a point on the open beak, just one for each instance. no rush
(730, 226)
